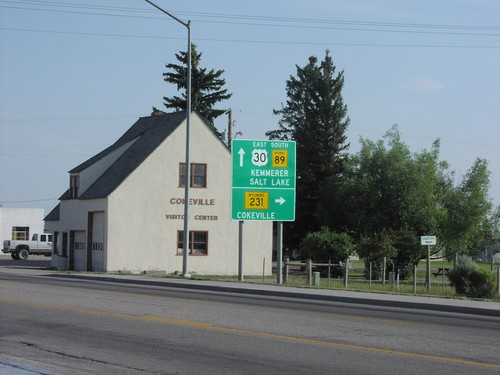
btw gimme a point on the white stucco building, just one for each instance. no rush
(124, 207)
(20, 223)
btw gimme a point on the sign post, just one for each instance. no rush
(263, 184)
(428, 241)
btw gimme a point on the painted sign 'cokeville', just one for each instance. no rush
(194, 201)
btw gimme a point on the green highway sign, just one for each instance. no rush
(263, 180)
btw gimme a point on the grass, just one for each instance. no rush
(439, 286)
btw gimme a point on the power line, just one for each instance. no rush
(263, 21)
(45, 155)
(21, 4)
(80, 117)
(254, 41)
(244, 16)
(30, 201)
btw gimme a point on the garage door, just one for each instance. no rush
(80, 251)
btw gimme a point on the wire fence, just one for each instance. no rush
(349, 276)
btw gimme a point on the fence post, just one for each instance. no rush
(383, 271)
(329, 265)
(309, 271)
(498, 280)
(415, 279)
(316, 278)
(428, 280)
(443, 276)
(346, 273)
(397, 280)
(393, 276)
(370, 273)
(285, 274)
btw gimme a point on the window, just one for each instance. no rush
(74, 184)
(20, 233)
(198, 242)
(97, 246)
(198, 175)
(80, 245)
(45, 238)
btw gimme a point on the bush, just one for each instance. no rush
(482, 284)
(373, 249)
(326, 245)
(469, 281)
(459, 275)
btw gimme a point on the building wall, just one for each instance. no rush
(146, 212)
(20, 217)
(73, 216)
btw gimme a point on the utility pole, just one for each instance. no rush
(229, 128)
(187, 180)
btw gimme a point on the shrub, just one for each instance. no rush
(324, 246)
(482, 284)
(373, 249)
(469, 281)
(459, 275)
(327, 245)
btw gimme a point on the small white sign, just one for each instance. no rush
(428, 240)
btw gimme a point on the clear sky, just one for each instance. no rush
(74, 75)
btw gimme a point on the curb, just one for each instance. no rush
(360, 298)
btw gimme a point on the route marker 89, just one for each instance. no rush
(280, 159)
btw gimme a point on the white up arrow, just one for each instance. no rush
(241, 153)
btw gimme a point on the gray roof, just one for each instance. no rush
(150, 132)
(54, 214)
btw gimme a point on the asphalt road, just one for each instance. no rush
(53, 324)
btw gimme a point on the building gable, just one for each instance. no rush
(137, 144)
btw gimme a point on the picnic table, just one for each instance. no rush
(441, 271)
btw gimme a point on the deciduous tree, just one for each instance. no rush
(467, 211)
(387, 197)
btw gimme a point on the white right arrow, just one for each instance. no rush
(280, 200)
(241, 153)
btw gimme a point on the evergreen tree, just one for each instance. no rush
(206, 86)
(316, 118)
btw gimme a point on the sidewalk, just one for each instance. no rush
(331, 295)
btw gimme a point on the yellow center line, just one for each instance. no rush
(186, 323)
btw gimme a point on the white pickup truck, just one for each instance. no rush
(40, 244)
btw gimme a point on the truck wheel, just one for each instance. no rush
(23, 254)
(14, 256)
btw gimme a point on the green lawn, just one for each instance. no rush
(356, 281)
(439, 285)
